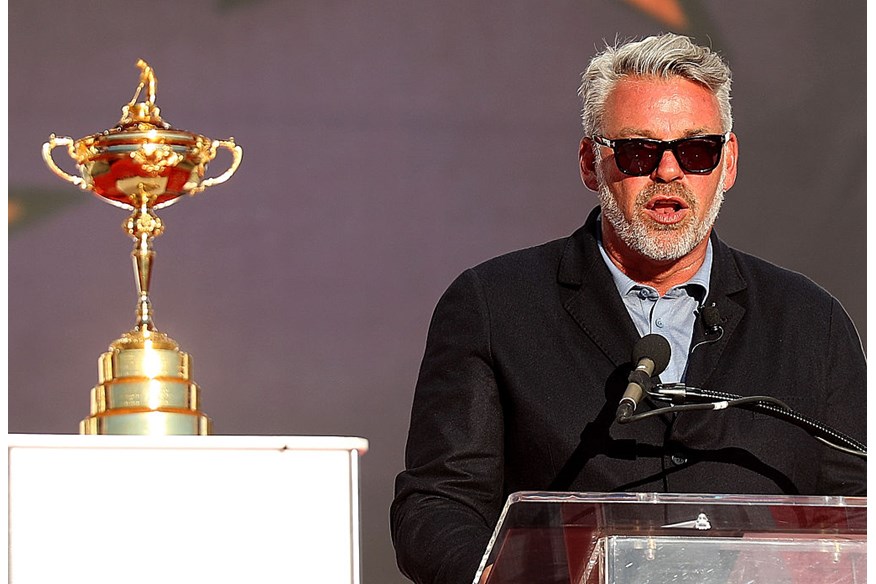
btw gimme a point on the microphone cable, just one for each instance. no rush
(763, 403)
(820, 431)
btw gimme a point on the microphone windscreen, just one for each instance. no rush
(711, 317)
(654, 347)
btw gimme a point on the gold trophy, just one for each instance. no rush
(145, 382)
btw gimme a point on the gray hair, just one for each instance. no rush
(663, 56)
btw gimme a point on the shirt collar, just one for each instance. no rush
(699, 282)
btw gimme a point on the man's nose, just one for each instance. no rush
(668, 169)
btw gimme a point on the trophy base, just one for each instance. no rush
(145, 388)
(148, 423)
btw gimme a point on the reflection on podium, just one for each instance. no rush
(638, 538)
(109, 509)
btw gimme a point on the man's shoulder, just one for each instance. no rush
(531, 263)
(764, 277)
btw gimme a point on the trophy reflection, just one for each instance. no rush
(145, 383)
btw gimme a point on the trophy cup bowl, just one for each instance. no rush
(142, 165)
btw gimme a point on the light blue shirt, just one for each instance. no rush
(672, 315)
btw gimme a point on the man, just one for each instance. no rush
(528, 354)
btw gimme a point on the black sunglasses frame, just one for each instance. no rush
(659, 147)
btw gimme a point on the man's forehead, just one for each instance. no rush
(647, 106)
(659, 81)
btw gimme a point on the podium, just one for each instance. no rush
(146, 509)
(634, 538)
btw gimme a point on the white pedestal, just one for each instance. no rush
(184, 509)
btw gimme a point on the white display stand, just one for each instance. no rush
(110, 509)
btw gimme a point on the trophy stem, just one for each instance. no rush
(143, 226)
(143, 257)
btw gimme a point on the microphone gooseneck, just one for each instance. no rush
(651, 355)
(679, 393)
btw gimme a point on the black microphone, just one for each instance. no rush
(711, 318)
(651, 356)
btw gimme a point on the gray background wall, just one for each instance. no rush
(388, 146)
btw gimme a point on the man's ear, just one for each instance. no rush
(731, 151)
(587, 162)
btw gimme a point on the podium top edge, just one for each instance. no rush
(685, 498)
(213, 442)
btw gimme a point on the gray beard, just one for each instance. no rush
(654, 240)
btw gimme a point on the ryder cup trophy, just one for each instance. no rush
(145, 382)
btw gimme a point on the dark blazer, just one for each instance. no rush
(526, 360)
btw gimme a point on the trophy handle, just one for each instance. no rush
(236, 153)
(47, 156)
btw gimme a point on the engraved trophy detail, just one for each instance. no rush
(145, 382)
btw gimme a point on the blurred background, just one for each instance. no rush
(388, 145)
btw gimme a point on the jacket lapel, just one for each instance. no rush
(724, 283)
(590, 296)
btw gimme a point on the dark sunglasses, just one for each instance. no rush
(640, 156)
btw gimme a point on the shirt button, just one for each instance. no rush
(678, 459)
(659, 322)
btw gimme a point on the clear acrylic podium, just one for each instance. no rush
(634, 538)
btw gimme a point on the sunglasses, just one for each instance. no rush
(640, 156)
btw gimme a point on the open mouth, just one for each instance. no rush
(667, 210)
